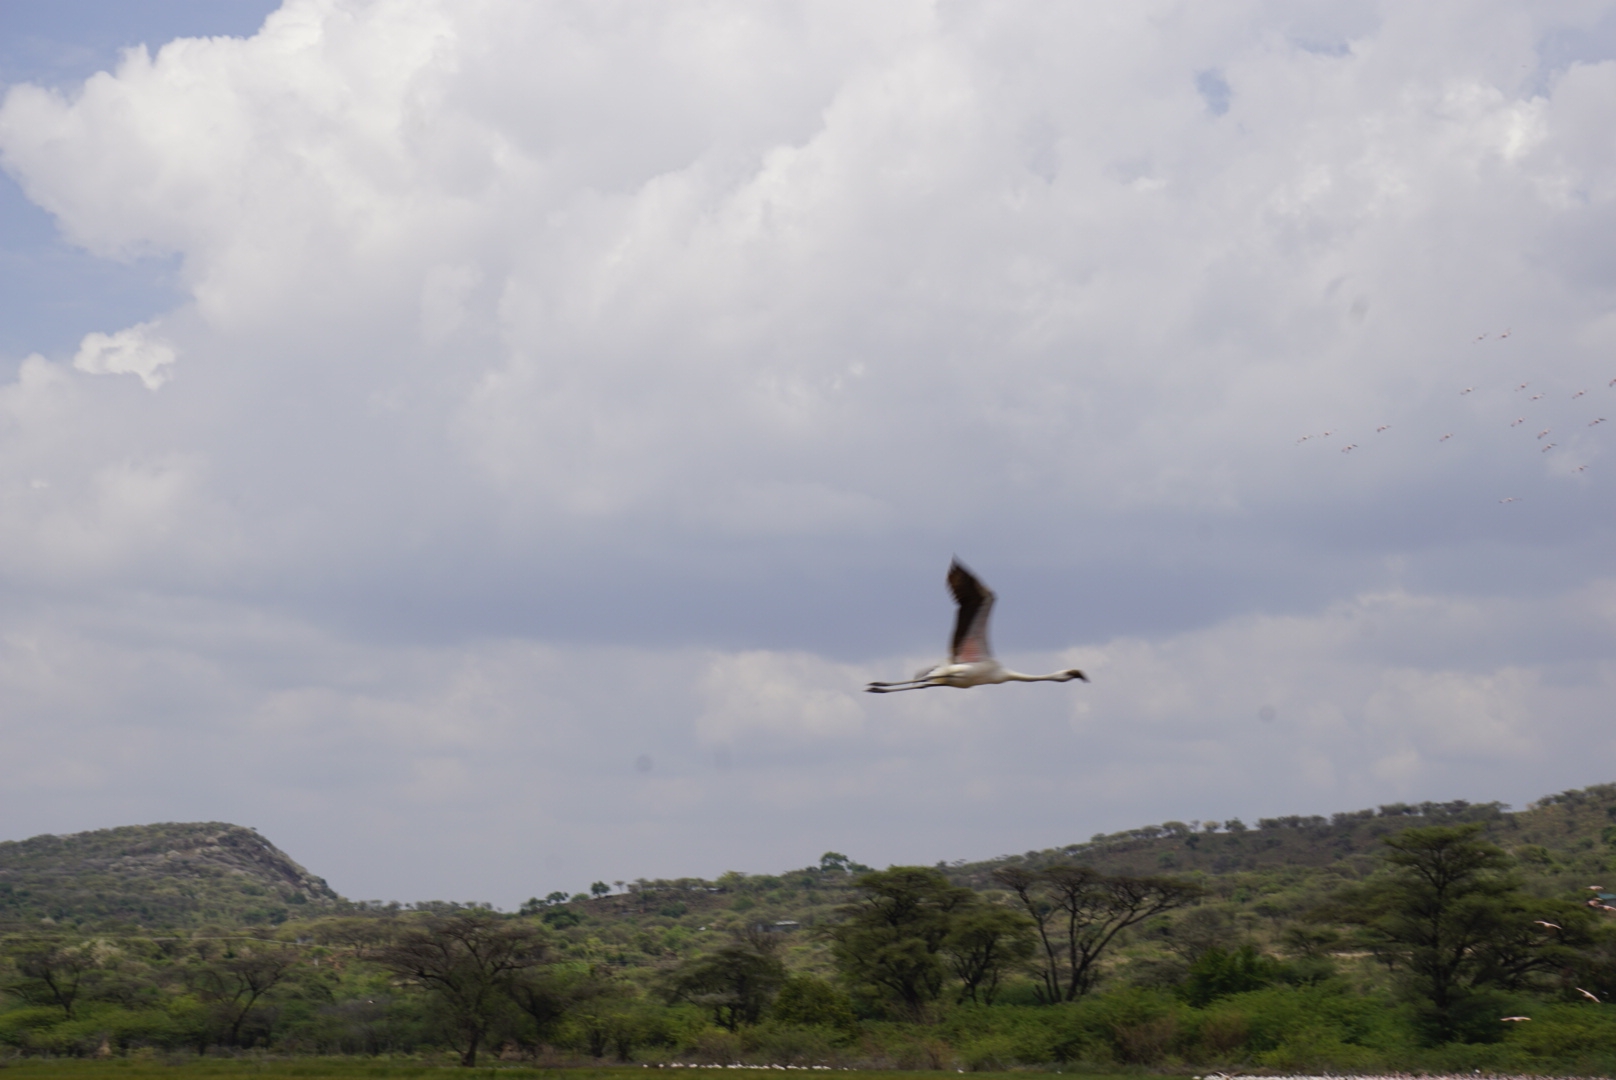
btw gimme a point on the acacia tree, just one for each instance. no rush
(891, 939)
(235, 981)
(985, 942)
(470, 962)
(53, 972)
(1078, 913)
(1452, 917)
(737, 981)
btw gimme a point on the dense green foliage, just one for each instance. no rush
(154, 877)
(1396, 939)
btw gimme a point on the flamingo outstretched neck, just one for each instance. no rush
(970, 661)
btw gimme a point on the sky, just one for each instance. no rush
(487, 446)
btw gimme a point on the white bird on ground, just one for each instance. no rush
(970, 661)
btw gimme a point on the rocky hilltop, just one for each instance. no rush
(163, 876)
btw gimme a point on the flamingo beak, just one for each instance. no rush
(1076, 674)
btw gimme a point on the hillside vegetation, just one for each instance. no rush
(1292, 943)
(154, 877)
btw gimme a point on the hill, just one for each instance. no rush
(173, 876)
(1259, 878)
(166, 876)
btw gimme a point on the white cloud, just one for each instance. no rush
(671, 351)
(134, 351)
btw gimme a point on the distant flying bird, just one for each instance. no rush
(1578, 394)
(1550, 925)
(1586, 994)
(1512, 1019)
(1327, 434)
(1349, 448)
(1509, 500)
(1546, 449)
(1381, 428)
(1601, 420)
(1504, 335)
(1303, 439)
(1611, 383)
(1580, 468)
(1523, 386)
(1466, 390)
(970, 661)
(1535, 397)
(1544, 432)
(1446, 437)
(1518, 421)
(1481, 337)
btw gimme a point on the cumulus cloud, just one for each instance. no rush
(671, 350)
(135, 351)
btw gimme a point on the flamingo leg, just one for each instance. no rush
(893, 688)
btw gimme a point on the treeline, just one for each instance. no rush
(1416, 963)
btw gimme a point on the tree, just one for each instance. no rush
(737, 981)
(548, 994)
(891, 940)
(1079, 912)
(808, 1001)
(599, 888)
(53, 972)
(235, 981)
(984, 943)
(1450, 915)
(470, 962)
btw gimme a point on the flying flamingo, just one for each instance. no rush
(1512, 1019)
(1586, 994)
(970, 661)
(1550, 925)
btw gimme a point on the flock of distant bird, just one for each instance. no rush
(1517, 422)
(970, 661)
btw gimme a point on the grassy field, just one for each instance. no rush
(194, 1068)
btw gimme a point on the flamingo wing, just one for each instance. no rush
(975, 600)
